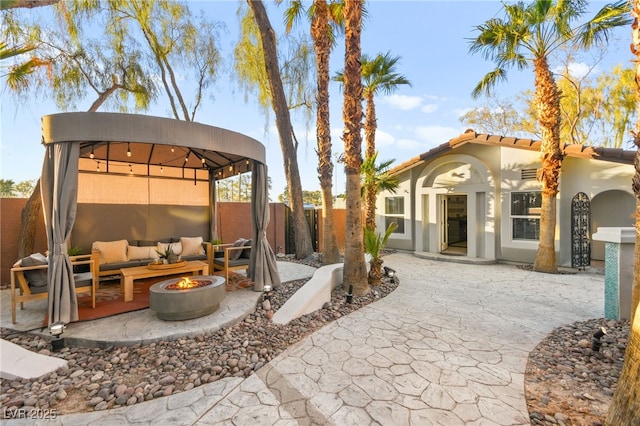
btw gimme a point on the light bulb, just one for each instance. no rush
(128, 150)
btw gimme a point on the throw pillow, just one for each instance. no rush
(37, 277)
(175, 247)
(111, 251)
(142, 253)
(246, 253)
(235, 254)
(191, 246)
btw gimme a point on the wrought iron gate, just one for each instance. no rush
(580, 228)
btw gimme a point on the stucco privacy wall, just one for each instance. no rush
(608, 186)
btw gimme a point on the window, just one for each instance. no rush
(525, 215)
(394, 212)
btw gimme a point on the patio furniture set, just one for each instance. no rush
(129, 262)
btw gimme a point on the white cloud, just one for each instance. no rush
(459, 112)
(384, 138)
(577, 69)
(410, 145)
(429, 108)
(436, 135)
(403, 102)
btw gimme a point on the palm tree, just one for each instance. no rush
(302, 235)
(528, 35)
(379, 76)
(375, 178)
(326, 19)
(7, 188)
(16, 75)
(355, 272)
(625, 406)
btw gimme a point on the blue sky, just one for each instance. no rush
(431, 37)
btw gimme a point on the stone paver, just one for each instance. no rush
(448, 347)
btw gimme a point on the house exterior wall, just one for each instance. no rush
(488, 176)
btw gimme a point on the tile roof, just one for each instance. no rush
(616, 155)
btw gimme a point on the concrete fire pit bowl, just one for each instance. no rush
(171, 303)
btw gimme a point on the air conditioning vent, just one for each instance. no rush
(527, 174)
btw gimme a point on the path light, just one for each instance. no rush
(389, 272)
(267, 291)
(596, 342)
(350, 294)
(56, 329)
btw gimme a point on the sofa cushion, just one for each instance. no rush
(38, 277)
(246, 253)
(111, 251)
(235, 254)
(142, 253)
(191, 246)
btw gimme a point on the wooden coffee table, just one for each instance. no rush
(129, 275)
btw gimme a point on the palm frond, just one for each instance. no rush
(488, 82)
(597, 30)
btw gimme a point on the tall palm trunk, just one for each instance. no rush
(322, 45)
(355, 272)
(547, 101)
(625, 406)
(302, 235)
(370, 126)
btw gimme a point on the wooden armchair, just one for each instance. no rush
(86, 282)
(230, 262)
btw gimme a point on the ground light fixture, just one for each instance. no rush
(596, 343)
(267, 291)
(56, 329)
(350, 294)
(389, 272)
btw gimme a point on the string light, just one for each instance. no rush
(128, 149)
(91, 155)
(98, 168)
(173, 149)
(130, 169)
(161, 169)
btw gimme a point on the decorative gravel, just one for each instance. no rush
(566, 382)
(100, 379)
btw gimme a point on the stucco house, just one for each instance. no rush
(477, 196)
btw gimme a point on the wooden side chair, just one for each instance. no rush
(29, 283)
(236, 256)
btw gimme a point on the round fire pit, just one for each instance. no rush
(176, 299)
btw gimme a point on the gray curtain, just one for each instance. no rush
(213, 208)
(263, 267)
(59, 185)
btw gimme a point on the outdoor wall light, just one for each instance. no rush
(389, 272)
(596, 343)
(56, 329)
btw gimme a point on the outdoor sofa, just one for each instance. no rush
(116, 255)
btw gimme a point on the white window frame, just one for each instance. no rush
(399, 216)
(533, 214)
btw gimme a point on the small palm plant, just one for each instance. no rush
(373, 244)
(168, 254)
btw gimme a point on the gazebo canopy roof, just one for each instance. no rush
(155, 142)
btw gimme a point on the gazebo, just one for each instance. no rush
(154, 146)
